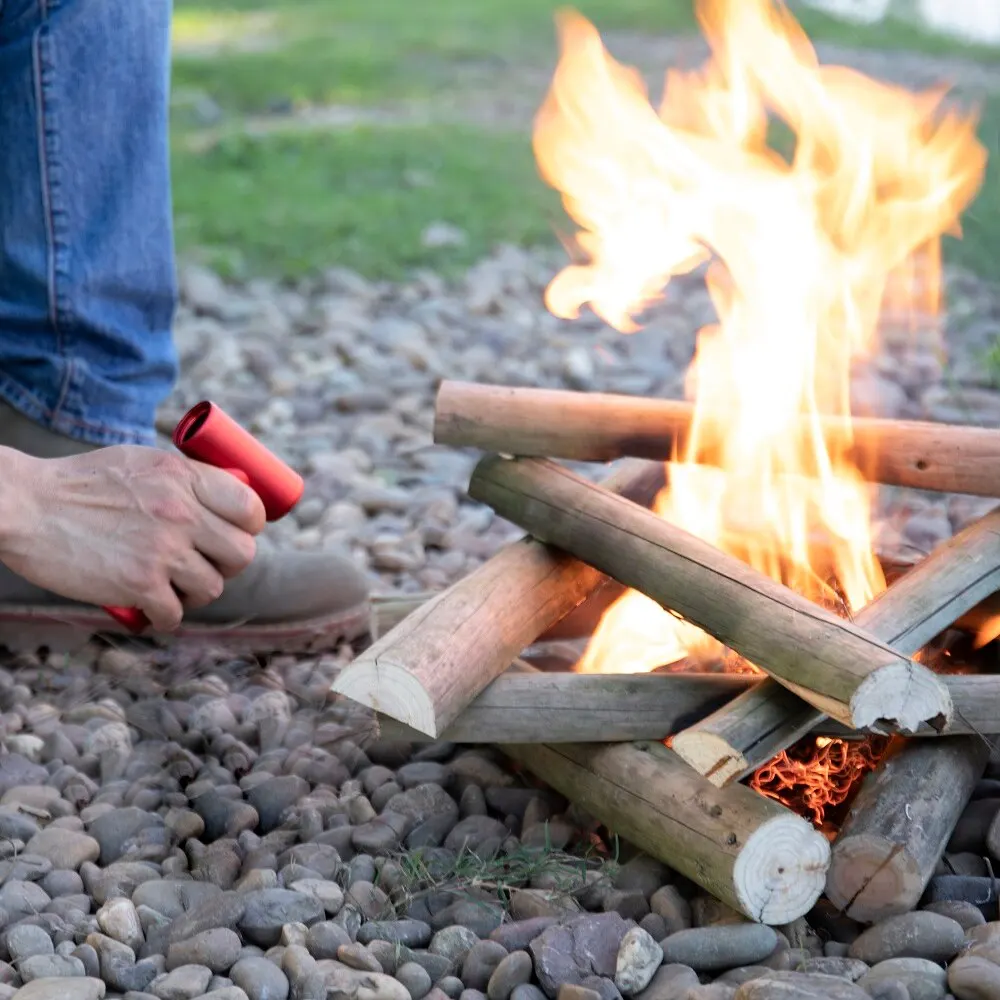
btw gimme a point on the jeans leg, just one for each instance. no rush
(87, 280)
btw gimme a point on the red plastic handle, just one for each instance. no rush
(207, 434)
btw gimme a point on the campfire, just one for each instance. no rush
(751, 674)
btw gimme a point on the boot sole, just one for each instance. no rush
(67, 628)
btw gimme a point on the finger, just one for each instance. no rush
(228, 548)
(163, 608)
(228, 498)
(197, 579)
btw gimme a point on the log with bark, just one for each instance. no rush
(899, 824)
(524, 705)
(746, 850)
(760, 723)
(596, 427)
(830, 662)
(427, 668)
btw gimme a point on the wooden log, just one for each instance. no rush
(899, 825)
(746, 850)
(427, 668)
(760, 723)
(598, 427)
(536, 707)
(830, 662)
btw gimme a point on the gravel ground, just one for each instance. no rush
(182, 824)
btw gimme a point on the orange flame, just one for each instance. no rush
(817, 776)
(802, 253)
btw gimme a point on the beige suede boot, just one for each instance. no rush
(285, 600)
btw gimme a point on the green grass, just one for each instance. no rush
(358, 198)
(287, 204)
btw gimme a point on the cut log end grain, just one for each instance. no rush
(710, 755)
(781, 870)
(390, 688)
(899, 824)
(872, 879)
(747, 850)
(902, 696)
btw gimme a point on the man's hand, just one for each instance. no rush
(127, 526)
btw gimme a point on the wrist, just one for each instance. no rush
(17, 478)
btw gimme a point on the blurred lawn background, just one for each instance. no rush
(311, 133)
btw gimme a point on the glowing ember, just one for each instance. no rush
(802, 254)
(817, 775)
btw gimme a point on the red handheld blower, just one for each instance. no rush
(207, 434)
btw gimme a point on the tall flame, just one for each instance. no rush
(801, 254)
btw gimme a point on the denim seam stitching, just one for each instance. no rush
(43, 163)
(50, 185)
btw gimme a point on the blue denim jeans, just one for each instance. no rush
(87, 280)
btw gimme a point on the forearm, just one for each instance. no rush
(16, 499)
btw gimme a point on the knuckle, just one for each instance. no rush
(248, 551)
(173, 508)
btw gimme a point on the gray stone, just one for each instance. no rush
(268, 910)
(453, 943)
(112, 830)
(924, 979)
(271, 798)
(25, 940)
(668, 903)
(413, 933)
(911, 935)
(712, 949)
(219, 909)
(481, 962)
(22, 899)
(639, 956)
(260, 978)
(328, 894)
(847, 968)
(513, 970)
(84, 988)
(973, 978)
(183, 983)
(415, 978)
(64, 849)
(50, 967)
(799, 986)
(518, 934)
(118, 919)
(472, 832)
(216, 949)
(357, 956)
(670, 982)
(966, 914)
(325, 938)
(582, 947)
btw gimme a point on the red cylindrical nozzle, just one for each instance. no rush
(207, 434)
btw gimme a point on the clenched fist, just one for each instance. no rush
(127, 526)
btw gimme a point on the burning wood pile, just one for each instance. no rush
(745, 639)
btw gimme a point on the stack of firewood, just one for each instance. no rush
(450, 669)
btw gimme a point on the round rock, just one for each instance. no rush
(911, 935)
(925, 980)
(260, 978)
(715, 949)
(216, 949)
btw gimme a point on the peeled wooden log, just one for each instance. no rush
(598, 427)
(836, 666)
(765, 720)
(899, 825)
(529, 706)
(746, 850)
(427, 668)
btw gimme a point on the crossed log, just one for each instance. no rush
(441, 672)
